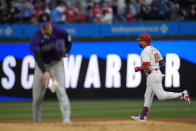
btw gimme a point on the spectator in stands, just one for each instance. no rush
(146, 12)
(4, 11)
(88, 13)
(174, 12)
(164, 9)
(184, 15)
(139, 6)
(114, 6)
(149, 2)
(27, 11)
(13, 13)
(193, 12)
(81, 18)
(130, 16)
(61, 7)
(97, 13)
(122, 9)
(70, 13)
(107, 16)
(132, 6)
(155, 10)
(55, 14)
(19, 5)
(39, 6)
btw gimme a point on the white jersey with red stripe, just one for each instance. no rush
(151, 56)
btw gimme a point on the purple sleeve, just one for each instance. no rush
(62, 33)
(35, 41)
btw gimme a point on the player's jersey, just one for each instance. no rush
(48, 46)
(151, 55)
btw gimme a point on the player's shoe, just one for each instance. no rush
(66, 121)
(137, 118)
(186, 97)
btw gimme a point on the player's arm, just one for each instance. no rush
(162, 66)
(162, 63)
(161, 60)
(68, 43)
(145, 66)
(40, 63)
(145, 58)
(35, 48)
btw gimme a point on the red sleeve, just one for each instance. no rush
(146, 64)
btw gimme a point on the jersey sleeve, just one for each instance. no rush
(145, 57)
(67, 38)
(160, 56)
(62, 33)
(34, 43)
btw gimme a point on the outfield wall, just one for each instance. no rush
(107, 30)
(100, 69)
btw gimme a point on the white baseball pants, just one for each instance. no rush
(57, 72)
(154, 87)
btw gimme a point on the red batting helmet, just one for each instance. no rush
(145, 37)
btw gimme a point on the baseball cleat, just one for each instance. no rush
(137, 118)
(66, 121)
(186, 97)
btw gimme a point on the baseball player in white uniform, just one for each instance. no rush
(151, 62)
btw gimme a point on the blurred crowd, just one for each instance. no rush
(97, 11)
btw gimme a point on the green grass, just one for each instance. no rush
(98, 109)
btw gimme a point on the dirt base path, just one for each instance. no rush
(153, 124)
(169, 120)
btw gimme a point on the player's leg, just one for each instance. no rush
(59, 76)
(148, 98)
(38, 94)
(149, 95)
(156, 85)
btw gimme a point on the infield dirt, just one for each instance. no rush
(153, 124)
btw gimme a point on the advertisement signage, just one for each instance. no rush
(106, 30)
(100, 69)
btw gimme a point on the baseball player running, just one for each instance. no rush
(49, 45)
(151, 63)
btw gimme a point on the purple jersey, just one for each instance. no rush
(48, 46)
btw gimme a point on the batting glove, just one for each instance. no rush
(138, 69)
